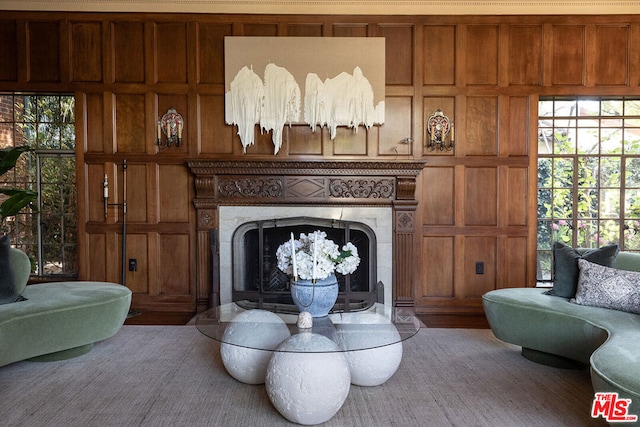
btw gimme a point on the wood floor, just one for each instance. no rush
(158, 318)
(466, 321)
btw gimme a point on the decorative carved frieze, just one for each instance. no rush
(286, 167)
(255, 182)
(375, 188)
(258, 187)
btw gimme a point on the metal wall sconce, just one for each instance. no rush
(440, 132)
(171, 125)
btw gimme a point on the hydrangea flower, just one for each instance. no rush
(329, 257)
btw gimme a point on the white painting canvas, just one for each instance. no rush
(321, 81)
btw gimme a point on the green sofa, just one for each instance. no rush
(554, 331)
(58, 320)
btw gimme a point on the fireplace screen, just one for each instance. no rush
(258, 281)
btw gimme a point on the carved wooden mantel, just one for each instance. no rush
(281, 182)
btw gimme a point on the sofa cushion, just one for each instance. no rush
(565, 266)
(8, 290)
(607, 287)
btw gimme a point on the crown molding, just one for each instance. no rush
(336, 7)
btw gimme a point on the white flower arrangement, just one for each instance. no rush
(316, 257)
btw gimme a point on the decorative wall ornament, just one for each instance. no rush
(300, 84)
(440, 131)
(404, 221)
(170, 125)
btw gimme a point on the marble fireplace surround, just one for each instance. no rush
(379, 193)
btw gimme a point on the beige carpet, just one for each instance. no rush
(173, 376)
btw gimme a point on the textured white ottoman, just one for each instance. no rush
(307, 387)
(251, 329)
(380, 361)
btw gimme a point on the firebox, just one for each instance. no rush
(258, 282)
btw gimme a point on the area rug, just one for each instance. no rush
(173, 376)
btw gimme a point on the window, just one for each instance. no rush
(44, 122)
(588, 175)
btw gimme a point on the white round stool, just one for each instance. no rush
(253, 328)
(308, 387)
(381, 360)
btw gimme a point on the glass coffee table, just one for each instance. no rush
(308, 371)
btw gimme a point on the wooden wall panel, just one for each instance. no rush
(137, 193)
(513, 265)
(138, 249)
(483, 72)
(304, 30)
(398, 53)
(439, 48)
(525, 54)
(481, 195)
(517, 139)
(350, 30)
(130, 119)
(438, 191)
(175, 254)
(215, 137)
(171, 52)
(351, 142)
(303, 142)
(94, 104)
(93, 199)
(612, 54)
(517, 199)
(9, 51)
(263, 144)
(478, 249)
(481, 126)
(255, 29)
(43, 41)
(482, 54)
(438, 256)
(86, 51)
(97, 257)
(175, 193)
(210, 51)
(397, 127)
(128, 52)
(568, 53)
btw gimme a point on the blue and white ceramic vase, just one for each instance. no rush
(317, 299)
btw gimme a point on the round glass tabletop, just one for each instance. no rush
(377, 326)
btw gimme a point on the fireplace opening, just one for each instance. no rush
(258, 282)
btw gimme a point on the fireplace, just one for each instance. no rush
(258, 282)
(378, 198)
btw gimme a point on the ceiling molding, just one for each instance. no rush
(336, 7)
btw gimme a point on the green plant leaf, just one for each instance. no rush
(17, 200)
(9, 157)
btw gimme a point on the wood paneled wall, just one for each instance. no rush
(476, 203)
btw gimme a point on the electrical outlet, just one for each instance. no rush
(133, 264)
(479, 267)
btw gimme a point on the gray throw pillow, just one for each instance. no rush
(607, 287)
(565, 266)
(8, 289)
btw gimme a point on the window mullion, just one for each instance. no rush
(575, 199)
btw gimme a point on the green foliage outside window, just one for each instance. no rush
(588, 175)
(45, 124)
